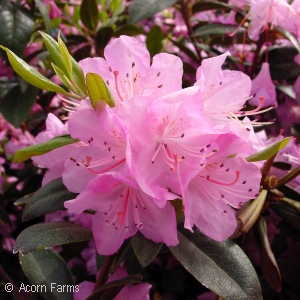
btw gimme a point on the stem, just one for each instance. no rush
(185, 16)
(255, 62)
(6, 278)
(104, 271)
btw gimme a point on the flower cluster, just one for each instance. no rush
(157, 144)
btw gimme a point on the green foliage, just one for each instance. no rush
(144, 249)
(203, 6)
(154, 41)
(48, 271)
(141, 9)
(40, 236)
(16, 104)
(89, 14)
(48, 199)
(98, 90)
(222, 267)
(268, 152)
(39, 149)
(16, 26)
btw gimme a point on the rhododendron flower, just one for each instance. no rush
(126, 70)
(53, 160)
(223, 184)
(263, 88)
(122, 209)
(224, 92)
(104, 149)
(274, 13)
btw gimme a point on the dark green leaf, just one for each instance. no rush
(289, 192)
(203, 6)
(287, 89)
(144, 249)
(141, 9)
(109, 290)
(39, 149)
(103, 36)
(23, 200)
(216, 29)
(129, 29)
(288, 214)
(16, 26)
(289, 176)
(44, 235)
(16, 104)
(220, 266)
(185, 50)
(89, 14)
(154, 40)
(49, 273)
(268, 262)
(48, 199)
(290, 37)
(268, 152)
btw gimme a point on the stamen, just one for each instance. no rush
(224, 183)
(116, 73)
(104, 170)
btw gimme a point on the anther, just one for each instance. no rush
(248, 129)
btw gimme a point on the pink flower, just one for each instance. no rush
(222, 185)
(122, 209)
(273, 12)
(263, 88)
(127, 71)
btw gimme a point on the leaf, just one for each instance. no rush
(31, 75)
(16, 105)
(77, 73)
(39, 149)
(44, 12)
(288, 214)
(290, 37)
(129, 29)
(89, 14)
(50, 234)
(144, 249)
(16, 26)
(103, 36)
(48, 272)
(203, 6)
(98, 90)
(109, 290)
(269, 265)
(141, 9)
(216, 29)
(289, 176)
(220, 266)
(48, 199)
(154, 40)
(287, 89)
(65, 55)
(268, 152)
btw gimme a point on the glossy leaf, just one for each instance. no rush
(103, 36)
(289, 192)
(98, 90)
(144, 249)
(89, 14)
(48, 272)
(216, 29)
(203, 6)
(109, 290)
(39, 149)
(292, 203)
(65, 55)
(129, 29)
(268, 152)
(16, 105)
(31, 75)
(47, 199)
(141, 9)
(268, 262)
(50, 234)
(290, 37)
(154, 41)
(288, 214)
(77, 73)
(16, 26)
(220, 266)
(45, 14)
